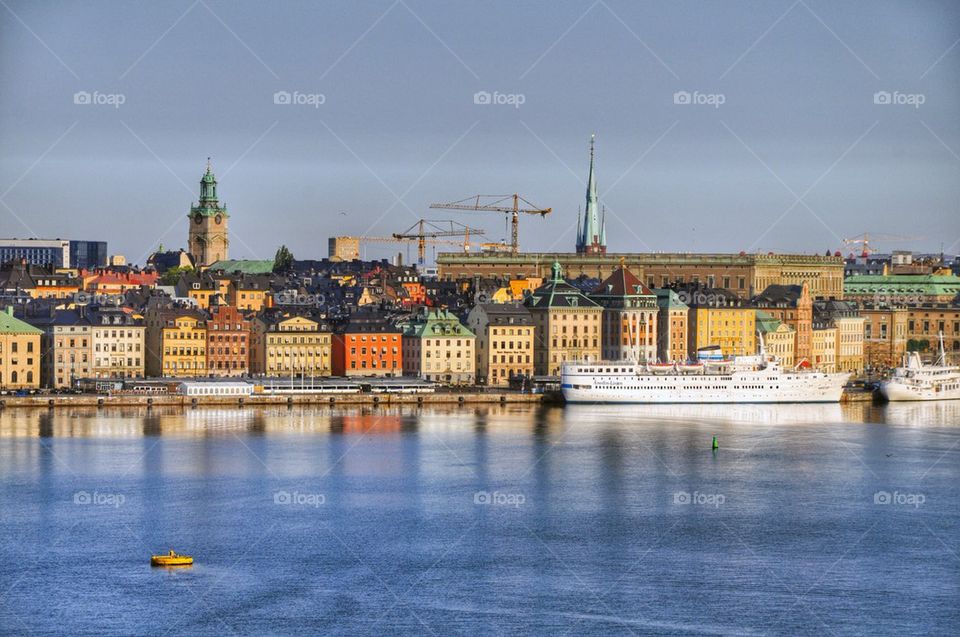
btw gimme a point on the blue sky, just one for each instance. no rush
(788, 149)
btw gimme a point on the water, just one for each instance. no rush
(498, 520)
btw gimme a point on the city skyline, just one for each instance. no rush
(781, 128)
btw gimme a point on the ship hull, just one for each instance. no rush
(899, 392)
(739, 387)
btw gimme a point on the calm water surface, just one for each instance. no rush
(809, 520)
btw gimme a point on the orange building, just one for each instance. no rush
(368, 345)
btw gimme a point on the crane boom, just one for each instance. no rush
(494, 203)
(430, 232)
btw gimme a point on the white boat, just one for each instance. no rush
(747, 379)
(916, 381)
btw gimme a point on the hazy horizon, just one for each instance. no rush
(817, 123)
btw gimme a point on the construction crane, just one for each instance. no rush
(867, 238)
(430, 232)
(495, 203)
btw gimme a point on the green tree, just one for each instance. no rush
(171, 276)
(283, 261)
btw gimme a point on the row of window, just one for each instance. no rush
(15, 377)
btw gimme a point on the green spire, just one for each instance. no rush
(208, 187)
(209, 205)
(592, 235)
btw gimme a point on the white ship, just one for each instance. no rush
(916, 381)
(743, 379)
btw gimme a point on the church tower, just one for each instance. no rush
(207, 240)
(592, 233)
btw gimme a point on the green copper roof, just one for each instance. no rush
(11, 325)
(928, 284)
(766, 323)
(436, 324)
(246, 266)
(208, 206)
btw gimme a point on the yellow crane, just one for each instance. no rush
(509, 204)
(430, 232)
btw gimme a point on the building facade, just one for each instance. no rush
(628, 327)
(566, 322)
(437, 347)
(176, 342)
(845, 317)
(19, 353)
(778, 337)
(672, 335)
(228, 342)
(47, 252)
(743, 274)
(884, 336)
(719, 318)
(288, 344)
(368, 344)
(505, 337)
(118, 343)
(793, 305)
(926, 322)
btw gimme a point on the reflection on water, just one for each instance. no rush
(175, 421)
(609, 528)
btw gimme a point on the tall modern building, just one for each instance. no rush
(88, 254)
(591, 232)
(55, 252)
(207, 239)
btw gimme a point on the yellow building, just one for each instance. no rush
(504, 343)
(718, 317)
(19, 353)
(779, 338)
(436, 346)
(845, 317)
(516, 289)
(176, 339)
(567, 325)
(285, 344)
(824, 346)
(249, 293)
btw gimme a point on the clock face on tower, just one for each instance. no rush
(197, 218)
(218, 219)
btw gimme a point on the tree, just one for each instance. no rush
(171, 276)
(283, 261)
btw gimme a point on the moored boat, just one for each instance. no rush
(746, 379)
(916, 381)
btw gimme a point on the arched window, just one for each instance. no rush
(29, 377)
(13, 377)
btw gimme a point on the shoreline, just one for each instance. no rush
(452, 398)
(138, 400)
